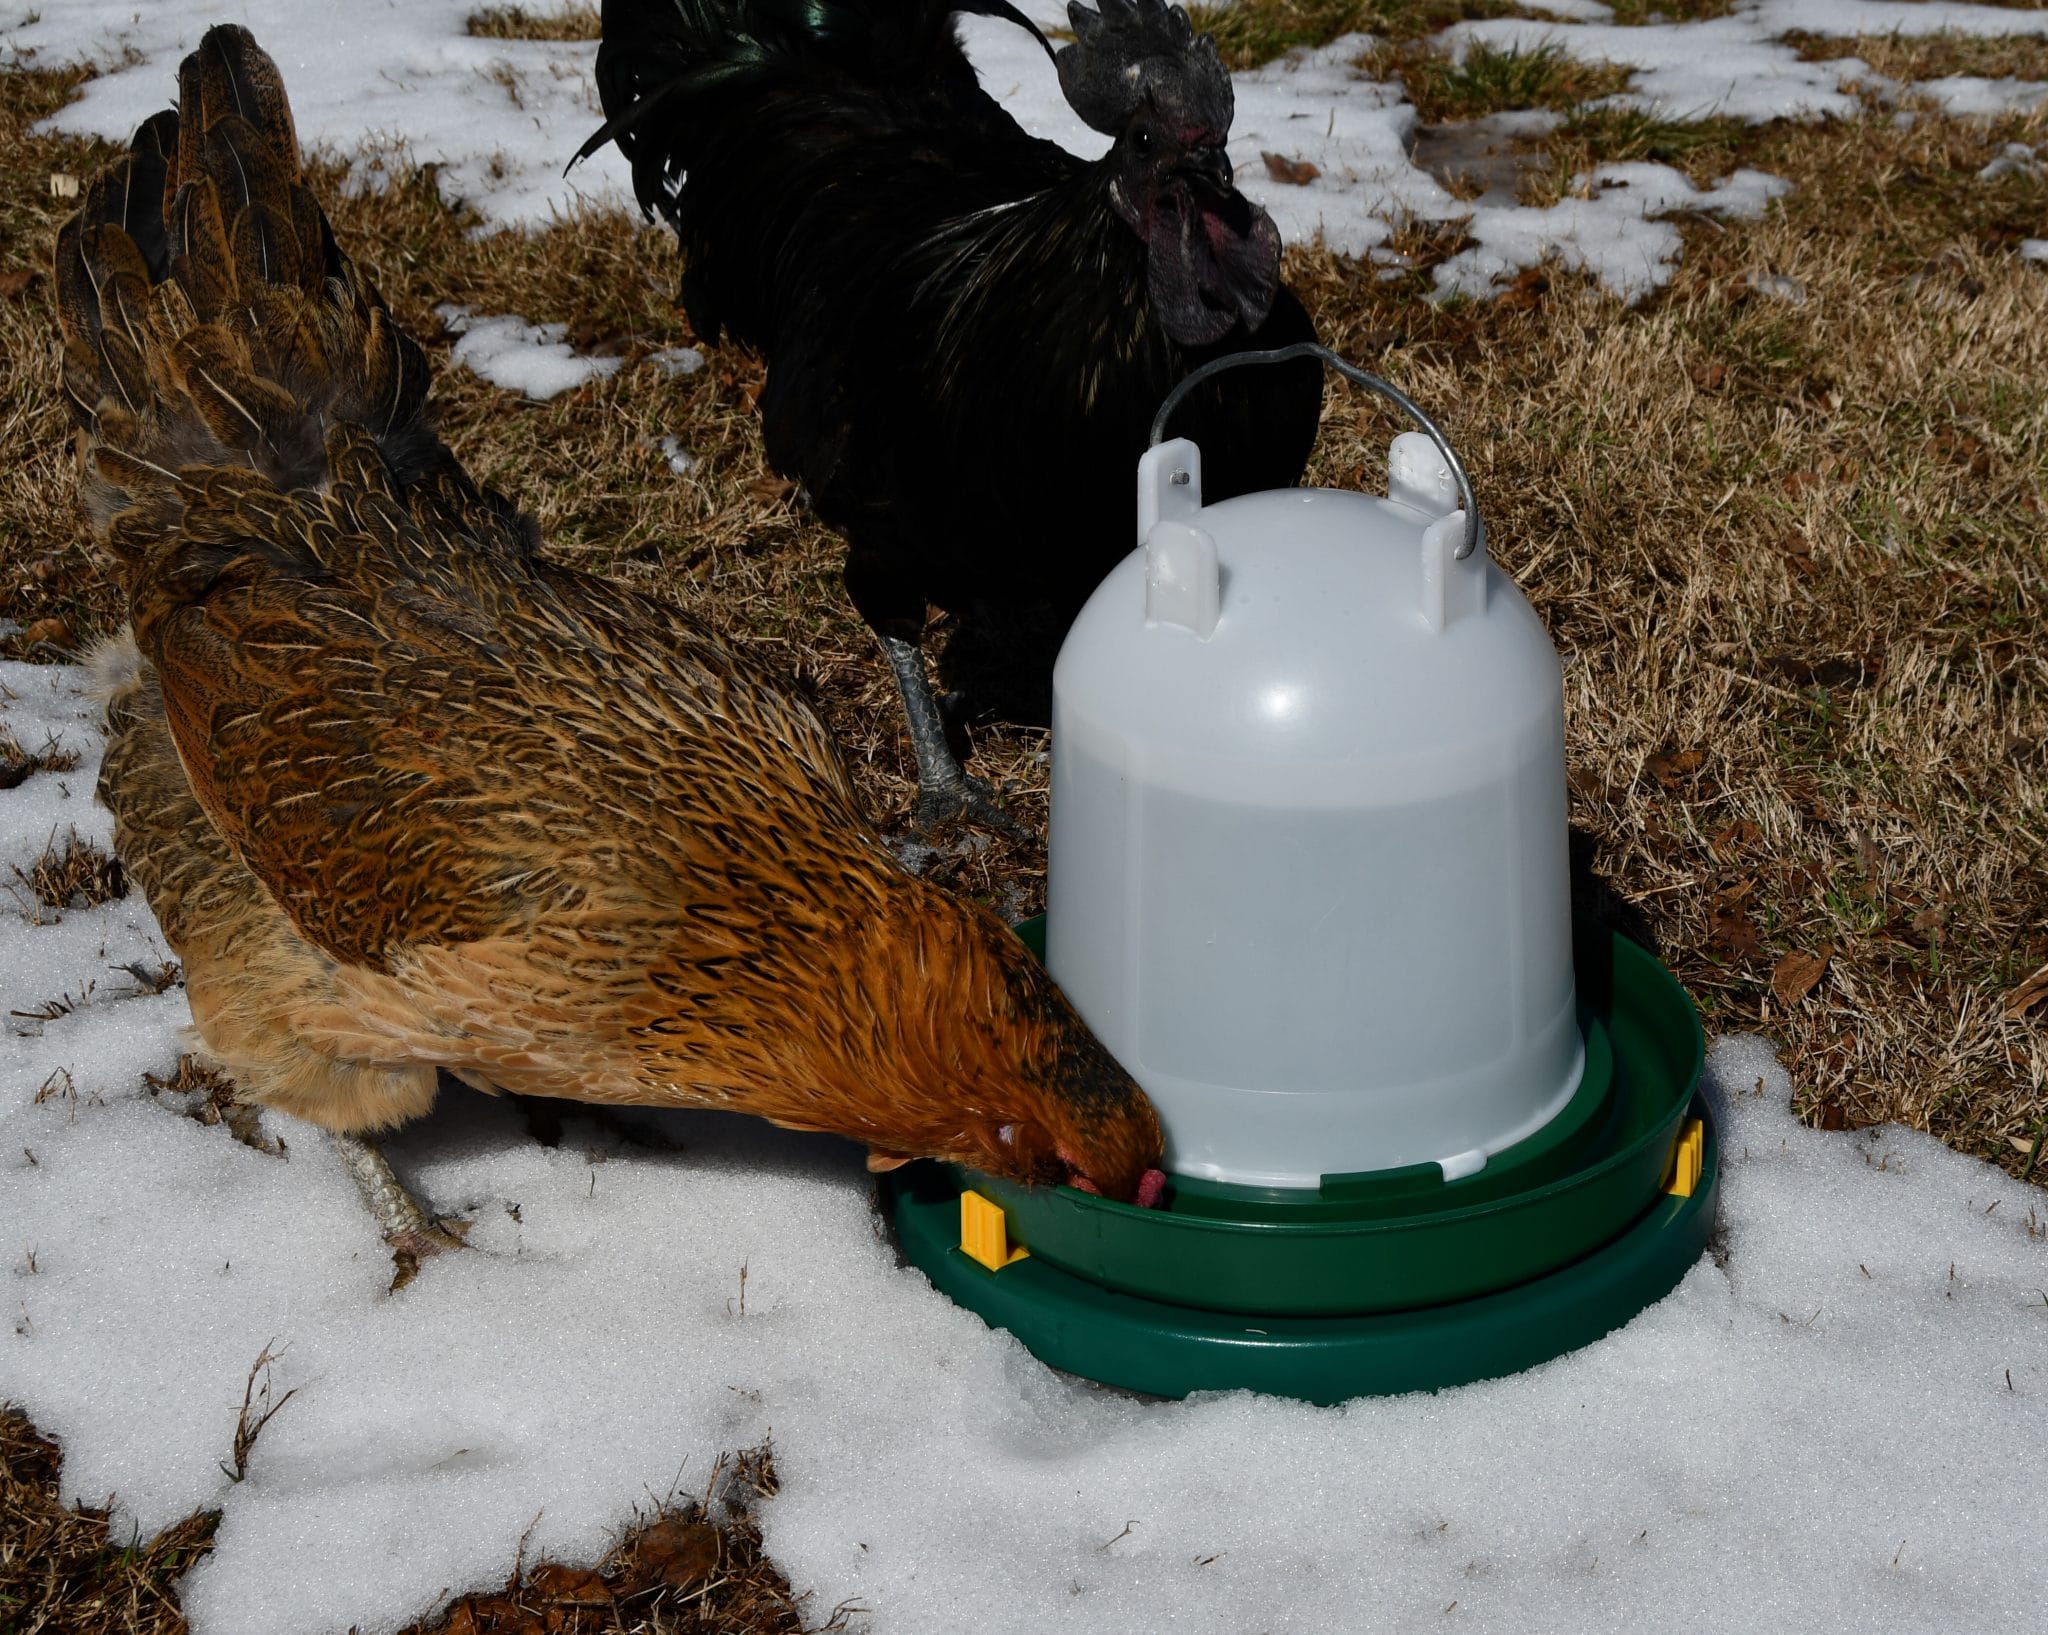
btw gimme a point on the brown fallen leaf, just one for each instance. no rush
(1671, 767)
(1736, 933)
(14, 282)
(1798, 483)
(1832, 1117)
(2027, 995)
(2024, 1148)
(1709, 377)
(1294, 172)
(1794, 976)
(1734, 837)
(54, 631)
(680, 1551)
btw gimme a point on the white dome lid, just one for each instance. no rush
(1307, 873)
(1344, 645)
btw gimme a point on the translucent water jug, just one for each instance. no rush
(1308, 876)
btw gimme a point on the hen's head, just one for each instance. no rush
(1139, 72)
(985, 1063)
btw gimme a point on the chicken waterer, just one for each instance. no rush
(1309, 883)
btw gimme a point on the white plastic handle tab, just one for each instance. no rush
(1453, 587)
(1419, 477)
(1169, 484)
(1183, 584)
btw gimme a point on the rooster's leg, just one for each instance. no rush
(412, 1233)
(944, 788)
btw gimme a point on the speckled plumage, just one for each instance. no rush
(406, 796)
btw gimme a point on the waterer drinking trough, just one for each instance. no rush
(1308, 882)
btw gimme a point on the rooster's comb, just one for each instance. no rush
(1130, 50)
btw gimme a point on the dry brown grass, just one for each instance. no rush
(62, 1572)
(1933, 56)
(692, 1568)
(70, 873)
(565, 22)
(1792, 554)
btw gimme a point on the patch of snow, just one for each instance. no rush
(1873, 1331)
(677, 360)
(500, 117)
(2016, 158)
(1968, 95)
(530, 359)
(1609, 233)
(679, 459)
(1741, 67)
(1776, 287)
(1574, 11)
(2034, 249)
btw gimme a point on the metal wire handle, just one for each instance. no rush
(1475, 530)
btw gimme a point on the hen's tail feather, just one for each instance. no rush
(210, 318)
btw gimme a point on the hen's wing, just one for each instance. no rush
(384, 703)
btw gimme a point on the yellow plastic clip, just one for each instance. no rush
(1688, 1154)
(984, 1235)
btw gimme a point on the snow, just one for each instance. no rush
(1831, 1425)
(2034, 249)
(384, 81)
(530, 359)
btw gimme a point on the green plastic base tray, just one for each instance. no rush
(1371, 1284)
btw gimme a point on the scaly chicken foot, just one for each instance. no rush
(945, 790)
(413, 1234)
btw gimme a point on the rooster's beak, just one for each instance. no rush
(1210, 167)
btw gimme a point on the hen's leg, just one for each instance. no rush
(413, 1234)
(895, 612)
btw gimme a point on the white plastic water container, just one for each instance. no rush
(1308, 874)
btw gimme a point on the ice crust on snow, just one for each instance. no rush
(530, 359)
(1815, 1431)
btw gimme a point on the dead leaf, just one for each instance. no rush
(2027, 995)
(55, 631)
(1709, 377)
(1929, 920)
(1670, 767)
(1832, 1117)
(14, 282)
(1799, 483)
(2024, 1148)
(1294, 172)
(771, 488)
(679, 1551)
(1794, 976)
(1961, 450)
(63, 185)
(1526, 293)
(1742, 832)
(554, 1582)
(1736, 933)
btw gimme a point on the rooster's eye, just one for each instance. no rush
(1142, 141)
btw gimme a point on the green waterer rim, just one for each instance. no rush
(1372, 1284)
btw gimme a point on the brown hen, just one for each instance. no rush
(407, 797)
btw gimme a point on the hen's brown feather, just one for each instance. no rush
(406, 796)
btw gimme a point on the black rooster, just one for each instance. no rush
(967, 329)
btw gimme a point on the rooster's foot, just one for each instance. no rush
(969, 799)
